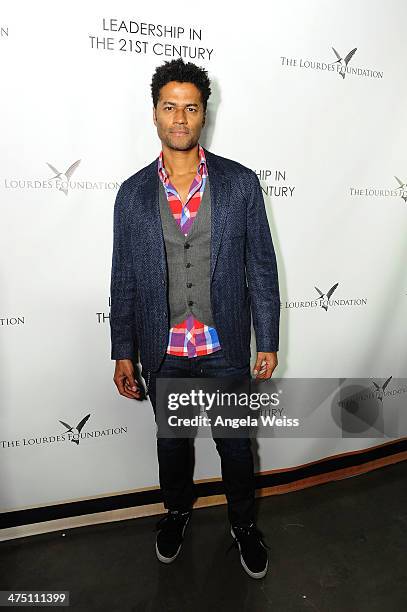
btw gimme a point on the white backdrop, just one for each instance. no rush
(75, 85)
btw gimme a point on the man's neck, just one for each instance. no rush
(178, 163)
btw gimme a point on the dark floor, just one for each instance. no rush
(336, 547)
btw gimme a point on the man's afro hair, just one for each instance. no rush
(178, 70)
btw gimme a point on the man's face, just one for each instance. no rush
(179, 115)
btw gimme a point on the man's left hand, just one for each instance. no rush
(265, 365)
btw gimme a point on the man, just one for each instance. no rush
(193, 257)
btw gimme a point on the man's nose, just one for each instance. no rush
(180, 116)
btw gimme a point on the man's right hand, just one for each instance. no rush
(124, 379)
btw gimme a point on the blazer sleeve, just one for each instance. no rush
(261, 270)
(124, 343)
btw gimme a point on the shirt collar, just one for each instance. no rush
(202, 168)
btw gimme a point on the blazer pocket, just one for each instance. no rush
(232, 235)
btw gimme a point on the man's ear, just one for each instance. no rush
(154, 116)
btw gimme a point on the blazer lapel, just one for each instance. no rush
(220, 200)
(151, 210)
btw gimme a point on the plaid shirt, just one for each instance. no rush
(191, 337)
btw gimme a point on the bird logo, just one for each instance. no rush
(380, 389)
(402, 188)
(75, 430)
(325, 299)
(343, 62)
(63, 177)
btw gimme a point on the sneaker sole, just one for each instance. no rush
(161, 557)
(256, 575)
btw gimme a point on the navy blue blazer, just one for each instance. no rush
(244, 277)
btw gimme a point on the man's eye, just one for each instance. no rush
(168, 107)
(191, 108)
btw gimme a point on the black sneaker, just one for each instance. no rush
(253, 553)
(171, 529)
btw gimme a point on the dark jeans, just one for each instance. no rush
(176, 455)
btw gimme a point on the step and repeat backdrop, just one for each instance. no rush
(311, 95)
